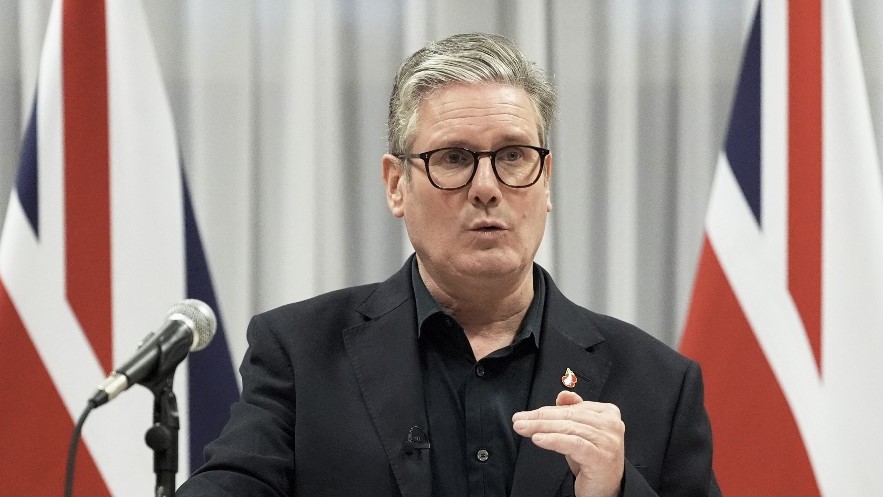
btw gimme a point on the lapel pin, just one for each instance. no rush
(569, 379)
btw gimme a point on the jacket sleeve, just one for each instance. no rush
(253, 455)
(686, 468)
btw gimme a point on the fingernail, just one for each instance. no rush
(539, 437)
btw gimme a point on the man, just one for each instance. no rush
(467, 372)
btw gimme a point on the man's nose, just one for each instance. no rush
(485, 187)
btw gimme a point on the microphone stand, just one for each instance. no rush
(162, 437)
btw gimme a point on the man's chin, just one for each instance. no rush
(490, 264)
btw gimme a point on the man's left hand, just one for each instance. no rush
(590, 435)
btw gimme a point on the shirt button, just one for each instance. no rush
(479, 370)
(448, 322)
(482, 455)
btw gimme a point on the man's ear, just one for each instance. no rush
(393, 179)
(547, 172)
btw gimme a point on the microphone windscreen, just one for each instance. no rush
(203, 319)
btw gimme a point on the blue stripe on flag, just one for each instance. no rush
(212, 387)
(26, 182)
(743, 138)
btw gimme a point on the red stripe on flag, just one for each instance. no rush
(758, 449)
(35, 416)
(86, 170)
(805, 166)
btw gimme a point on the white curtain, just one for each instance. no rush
(281, 107)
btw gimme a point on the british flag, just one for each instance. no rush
(98, 241)
(787, 311)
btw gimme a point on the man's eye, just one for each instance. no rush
(509, 155)
(455, 157)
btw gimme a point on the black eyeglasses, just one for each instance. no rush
(452, 168)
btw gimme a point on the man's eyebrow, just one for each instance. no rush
(504, 141)
(515, 139)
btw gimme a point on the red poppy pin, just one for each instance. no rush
(569, 379)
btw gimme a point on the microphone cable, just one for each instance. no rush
(72, 451)
(192, 315)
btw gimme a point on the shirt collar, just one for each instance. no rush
(532, 323)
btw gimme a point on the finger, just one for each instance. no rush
(601, 429)
(576, 449)
(545, 412)
(567, 411)
(564, 427)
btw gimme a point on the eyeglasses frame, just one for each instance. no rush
(492, 154)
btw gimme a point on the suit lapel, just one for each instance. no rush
(567, 335)
(386, 360)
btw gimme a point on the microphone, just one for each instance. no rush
(190, 326)
(416, 441)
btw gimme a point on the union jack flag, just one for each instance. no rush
(787, 311)
(98, 241)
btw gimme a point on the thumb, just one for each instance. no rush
(567, 398)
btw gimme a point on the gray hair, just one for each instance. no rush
(464, 58)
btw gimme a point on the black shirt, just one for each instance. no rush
(470, 404)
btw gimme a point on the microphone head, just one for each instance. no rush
(204, 321)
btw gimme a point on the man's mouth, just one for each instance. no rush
(488, 226)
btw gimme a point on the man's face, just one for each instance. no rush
(486, 229)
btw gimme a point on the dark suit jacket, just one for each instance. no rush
(332, 385)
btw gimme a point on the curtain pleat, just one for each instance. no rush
(281, 109)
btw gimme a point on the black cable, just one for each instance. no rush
(72, 451)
